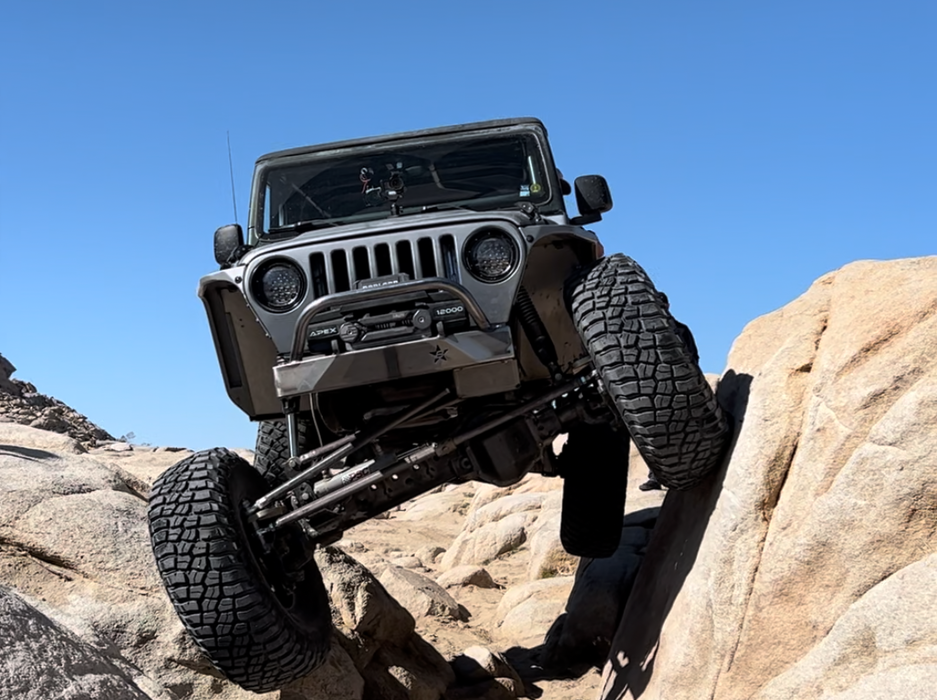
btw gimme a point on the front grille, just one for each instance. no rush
(340, 268)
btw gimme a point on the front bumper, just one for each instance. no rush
(399, 361)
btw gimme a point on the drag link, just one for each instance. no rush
(350, 446)
(364, 480)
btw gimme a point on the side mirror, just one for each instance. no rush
(227, 241)
(592, 197)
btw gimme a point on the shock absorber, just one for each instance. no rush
(536, 332)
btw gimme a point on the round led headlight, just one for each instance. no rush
(491, 255)
(279, 285)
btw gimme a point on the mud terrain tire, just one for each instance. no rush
(659, 392)
(206, 559)
(594, 467)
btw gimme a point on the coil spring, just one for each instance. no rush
(536, 332)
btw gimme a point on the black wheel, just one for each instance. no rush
(261, 622)
(594, 466)
(658, 390)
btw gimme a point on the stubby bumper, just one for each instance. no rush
(397, 361)
(409, 359)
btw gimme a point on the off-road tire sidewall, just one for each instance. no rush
(656, 388)
(216, 584)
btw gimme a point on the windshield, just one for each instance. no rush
(477, 172)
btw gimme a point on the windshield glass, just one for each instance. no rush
(478, 172)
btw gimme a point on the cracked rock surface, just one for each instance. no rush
(759, 583)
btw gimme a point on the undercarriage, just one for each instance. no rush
(383, 464)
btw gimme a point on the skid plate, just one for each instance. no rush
(410, 359)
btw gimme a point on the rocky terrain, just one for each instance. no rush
(805, 568)
(21, 403)
(464, 593)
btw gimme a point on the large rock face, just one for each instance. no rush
(805, 568)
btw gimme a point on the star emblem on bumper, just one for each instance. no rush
(439, 354)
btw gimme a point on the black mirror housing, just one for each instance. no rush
(228, 239)
(592, 195)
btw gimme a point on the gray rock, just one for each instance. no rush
(489, 541)
(6, 372)
(16, 437)
(466, 575)
(74, 534)
(421, 596)
(362, 604)
(407, 562)
(42, 660)
(51, 421)
(429, 554)
(602, 586)
(119, 447)
(336, 679)
(477, 664)
(29, 476)
(21, 403)
(101, 534)
(528, 611)
(413, 672)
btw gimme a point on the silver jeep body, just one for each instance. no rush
(438, 319)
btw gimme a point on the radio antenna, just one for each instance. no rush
(234, 201)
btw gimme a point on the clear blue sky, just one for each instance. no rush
(750, 148)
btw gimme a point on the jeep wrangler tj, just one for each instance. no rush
(406, 311)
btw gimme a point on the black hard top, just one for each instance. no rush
(369, 140)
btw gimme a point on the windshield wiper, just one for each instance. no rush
(300, 226)
(444, 207)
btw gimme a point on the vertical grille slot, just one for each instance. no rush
(450, 263)
(340, 271)
(382, 260)
(361, 263)
(405, 258)
(426, 250)
(320, 279)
